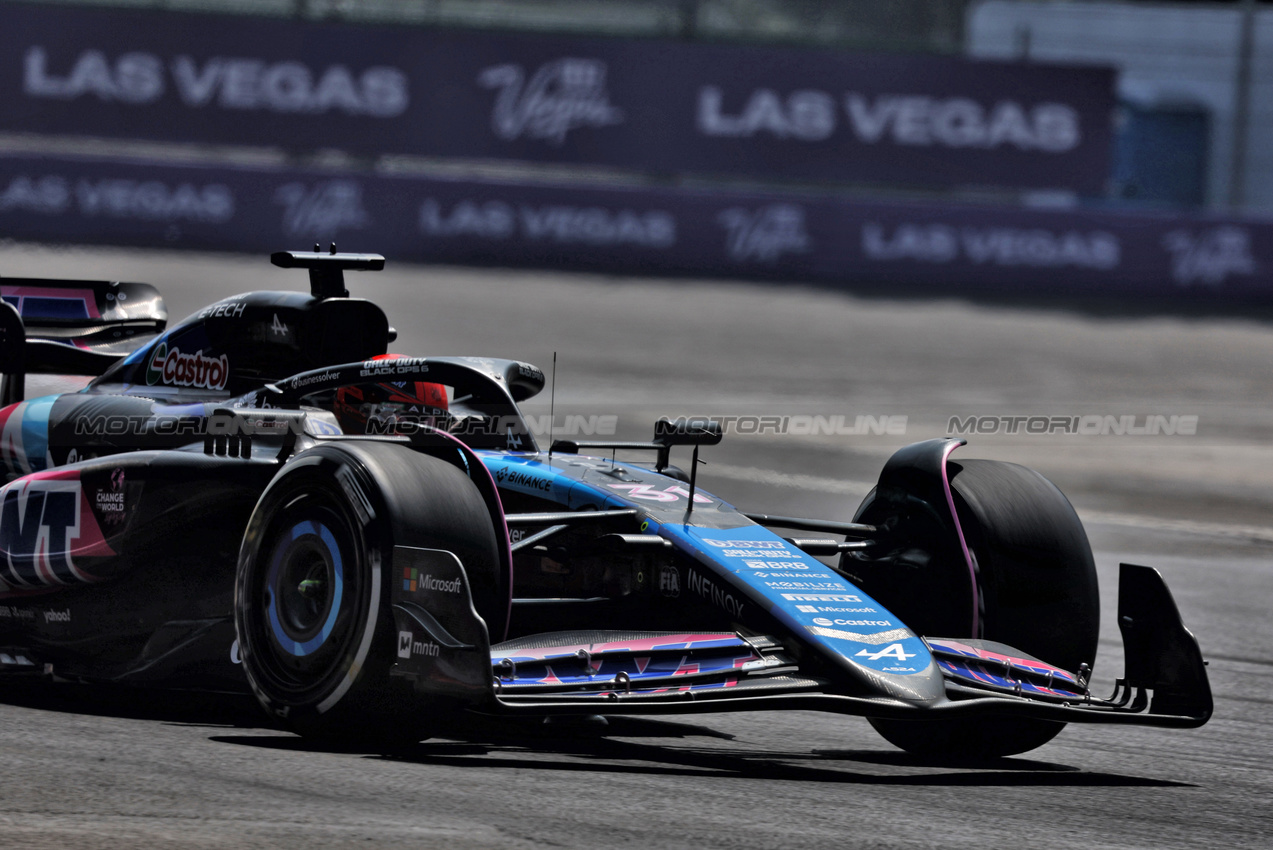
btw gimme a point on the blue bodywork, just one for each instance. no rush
(748, 571)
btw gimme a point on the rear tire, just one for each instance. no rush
(1037, 590)
(313, 595)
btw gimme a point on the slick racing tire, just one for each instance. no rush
(1037, 592)
(313, 589)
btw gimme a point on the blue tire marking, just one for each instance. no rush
(294, 647)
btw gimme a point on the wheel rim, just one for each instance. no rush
(308, 592)
(304, 587)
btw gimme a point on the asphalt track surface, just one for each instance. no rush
(92, 769)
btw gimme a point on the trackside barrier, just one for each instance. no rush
(902, 247)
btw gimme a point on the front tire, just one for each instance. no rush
(1037, 592)
(313, 601)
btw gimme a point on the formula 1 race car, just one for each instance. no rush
(261, 497)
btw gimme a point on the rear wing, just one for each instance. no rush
(60, 327)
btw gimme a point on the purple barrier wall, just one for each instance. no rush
(663, 107)
(899, 246)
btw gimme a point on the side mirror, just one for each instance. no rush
(524, 380)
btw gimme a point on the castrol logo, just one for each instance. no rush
(178, 369)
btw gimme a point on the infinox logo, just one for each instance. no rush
(178, 369)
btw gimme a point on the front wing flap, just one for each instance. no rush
(642, 665)
(1165, 682)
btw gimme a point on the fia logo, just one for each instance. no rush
(669, 581)
(404, 644)
(893, 650)
(561, 95)
(764, 234)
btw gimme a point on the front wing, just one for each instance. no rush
(601, 672)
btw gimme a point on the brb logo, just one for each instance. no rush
(38, 521)
(562, 95)
(172, 367)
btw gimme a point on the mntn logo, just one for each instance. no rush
(409, 646)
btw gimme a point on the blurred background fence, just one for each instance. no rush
(1034, 148)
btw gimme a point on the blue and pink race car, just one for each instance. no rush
(263, 498)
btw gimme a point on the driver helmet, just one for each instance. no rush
(364, 408)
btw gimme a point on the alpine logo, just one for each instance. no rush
(893, 650)
(174, 368)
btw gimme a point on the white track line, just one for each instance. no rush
(1256, 533)
(847, 487)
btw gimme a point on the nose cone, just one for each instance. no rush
(923, 688)
(894, 663)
